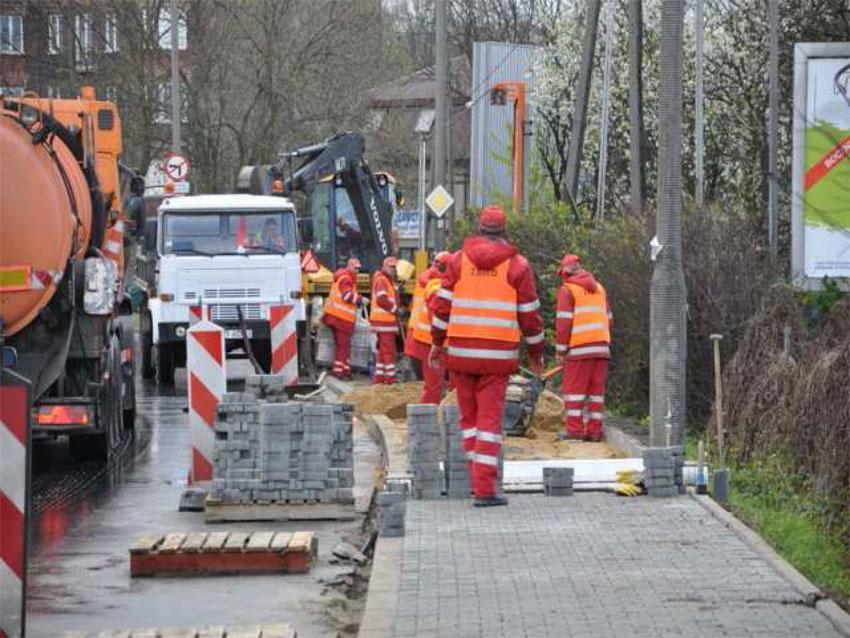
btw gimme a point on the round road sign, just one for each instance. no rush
(177, 167)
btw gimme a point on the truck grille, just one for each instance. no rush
(231, 293)
(228, 312)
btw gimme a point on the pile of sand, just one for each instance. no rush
(548, 416)
(390, 400)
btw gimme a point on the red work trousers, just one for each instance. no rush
(481, 398)
(342, 354)
(434, 380)
(385, 363)
(584, 386)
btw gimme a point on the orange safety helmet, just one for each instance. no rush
(492, 220)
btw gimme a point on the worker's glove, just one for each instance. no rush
(631, 477)
(628, 489)
(535, 363)
(435, 357)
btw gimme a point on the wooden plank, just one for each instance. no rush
(254, 631)
(280, 541)
(301, 542)
(211, 631)
(278, 512)
(177, 632)
(146, 543)
(172, 542)
(235, 542)
(278, 631)
(215, 541)
(259, 542)
(194, 541)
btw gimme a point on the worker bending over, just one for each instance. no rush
(487, 301)
(384, 319)
(418, 340)
(583, 338)
(341, 315)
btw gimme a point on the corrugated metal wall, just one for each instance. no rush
(492, 126)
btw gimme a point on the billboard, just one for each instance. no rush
(821, 164)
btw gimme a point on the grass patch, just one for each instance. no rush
(783, 509)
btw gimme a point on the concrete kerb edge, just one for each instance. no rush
(839, 618)
(626, 443)
(378, 619)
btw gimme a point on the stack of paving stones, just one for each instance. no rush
(268, 451)
(558, 481)
(424, 445)
(459, 484)
(390, 513)
(663, 471)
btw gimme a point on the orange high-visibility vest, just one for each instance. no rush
(377, 313)
(420, 320)
(484, 304)
(590, 316)
(338, 307)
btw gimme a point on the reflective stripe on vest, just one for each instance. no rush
(338, 307)
(590, 320)
(420, 322)
(484, 304)
(377, 313)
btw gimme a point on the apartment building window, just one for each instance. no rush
(165, 30)
(110, 33)
(11, 34)
(54, 33)
(84, 49)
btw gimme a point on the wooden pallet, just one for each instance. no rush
(220, 512)
(198, 553)
(252, 631)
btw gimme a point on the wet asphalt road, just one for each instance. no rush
(86, 516)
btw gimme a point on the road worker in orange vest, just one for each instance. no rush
(418, 339)
(341, 315)
(487, 303)
(583, 339)
(384, 319)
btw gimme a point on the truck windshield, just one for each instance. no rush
(253, 232)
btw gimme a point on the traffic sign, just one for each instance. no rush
(439, 201)
(177, 167)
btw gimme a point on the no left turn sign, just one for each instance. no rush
(177, 167)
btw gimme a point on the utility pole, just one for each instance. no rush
(773, 128)
(441, 111)
(668, 327)
(582, 98)
(636, 105)
(699, 104)
(176, 145)
(608, 19)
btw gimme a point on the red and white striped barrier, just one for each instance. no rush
(207, 380)
(14, 483)
(197, 313)
(284, 342)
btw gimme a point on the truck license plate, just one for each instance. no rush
(236, 334)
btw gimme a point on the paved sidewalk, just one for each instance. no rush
(591, 565)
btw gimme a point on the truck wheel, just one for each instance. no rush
(146, 328)
(89, 447)
(165, 363)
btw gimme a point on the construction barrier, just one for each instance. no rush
(284, 342)
(14, 501)
(197, 313)
(205, 369)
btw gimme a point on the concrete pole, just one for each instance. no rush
(699, 110)
(176, 142)
(636, 106)
(668, 328)
(608, 19)
(441, 110)
(423, 215)
(582, 97)
(773, 128)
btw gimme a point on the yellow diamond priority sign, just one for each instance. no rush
(439, 201)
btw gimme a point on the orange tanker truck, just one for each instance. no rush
(63, 314)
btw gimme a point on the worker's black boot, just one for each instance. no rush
(490, 501)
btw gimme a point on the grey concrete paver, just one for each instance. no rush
(591, 565)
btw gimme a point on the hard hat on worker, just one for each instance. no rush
(491, 220)
(569, 264)
(354, 264)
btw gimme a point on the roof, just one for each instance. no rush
(224, 202)
(418, 88)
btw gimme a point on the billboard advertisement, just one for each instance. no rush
(821, 164)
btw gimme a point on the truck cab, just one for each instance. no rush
(234, 254)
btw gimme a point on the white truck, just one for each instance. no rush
(226, 252)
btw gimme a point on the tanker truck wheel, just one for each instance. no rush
(165, 363)
(146, 338)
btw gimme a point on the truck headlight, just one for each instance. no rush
(100, 280)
